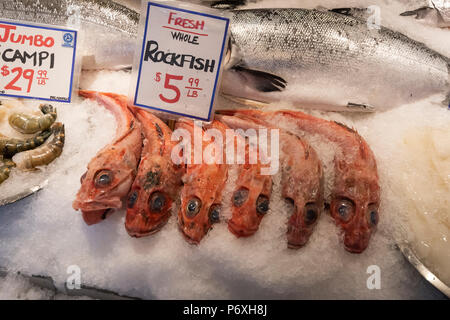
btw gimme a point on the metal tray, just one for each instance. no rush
(409, 254)
(27, 191)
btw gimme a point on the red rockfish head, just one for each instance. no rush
(301, 223)
(198, 210)
(202, 189)
(249, 207)
(355, 208)
(148, 203)
(303, 189)
(104, 185)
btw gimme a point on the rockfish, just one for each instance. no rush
(157, 182)
(355, 194)
(201, 195)
(111, 172)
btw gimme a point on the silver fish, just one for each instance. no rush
(313, 58)
(101, 22)
(326, 60)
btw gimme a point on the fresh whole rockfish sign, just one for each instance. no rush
(111, 172)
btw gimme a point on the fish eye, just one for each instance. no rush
(83, 177)
(157, 201)
(214, 213)
(372, 214)
(345, 209)
(193, 207)
(132, 199)
(290, 203)
(240, 196)
(311, 213)
(262, 204)
(103, 178)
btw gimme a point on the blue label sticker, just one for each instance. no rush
(68, 39)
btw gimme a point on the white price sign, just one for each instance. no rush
(180, 59)
(37, 61)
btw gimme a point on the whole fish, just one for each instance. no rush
(157, 182)
(328, 60)
(323, 59)
(302, 186)
(111, 172)
(355, 195)
(301, 177)
(251, 196)
(97, 19)
(201, 195)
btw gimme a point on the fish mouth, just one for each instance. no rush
(356, 243)
(96, 216)
(296, 244)
(239, 231)
(297, 237)
(189, 239)
(139, 234)
(97, 205)
(354, 250)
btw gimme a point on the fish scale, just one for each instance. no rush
(101, 12)
(306, 58)
(97, 19)
(328, 60)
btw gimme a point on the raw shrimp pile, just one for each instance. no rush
(30, 138)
